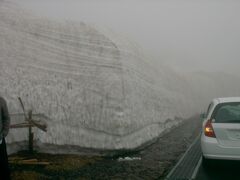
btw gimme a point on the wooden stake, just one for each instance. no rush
(30, 134)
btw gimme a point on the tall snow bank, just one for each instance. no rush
(97, 89)
(98, 92)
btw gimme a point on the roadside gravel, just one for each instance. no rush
(153, 162)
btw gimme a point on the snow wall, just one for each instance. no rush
(97, 90)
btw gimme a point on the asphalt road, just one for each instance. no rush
(190, 167)
(217, 170)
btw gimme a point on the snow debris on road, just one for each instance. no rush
(129, 159)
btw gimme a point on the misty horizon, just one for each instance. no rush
(188, 36)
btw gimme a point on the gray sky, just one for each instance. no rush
(186, 34)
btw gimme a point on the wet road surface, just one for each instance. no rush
(220, 170)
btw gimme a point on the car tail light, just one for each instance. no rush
(208, 129)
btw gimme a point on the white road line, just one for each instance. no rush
(196, 168)
(181, 159)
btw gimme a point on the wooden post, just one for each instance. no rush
(30, 134)
(30, 145)
(29, 123)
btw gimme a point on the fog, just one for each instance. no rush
(91, 80)
(187, 35)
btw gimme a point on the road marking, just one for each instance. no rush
(196, 168)
(181, 159)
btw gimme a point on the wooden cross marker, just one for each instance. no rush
(30, 123)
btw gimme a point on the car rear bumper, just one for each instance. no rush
(211, 149)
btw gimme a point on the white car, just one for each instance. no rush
(220, 137)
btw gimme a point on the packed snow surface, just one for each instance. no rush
(97, 90)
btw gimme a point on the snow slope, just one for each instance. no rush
(97, 92)
(97, 89)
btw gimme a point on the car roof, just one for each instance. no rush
(226, 100)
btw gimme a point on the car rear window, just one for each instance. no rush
(227, 113)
